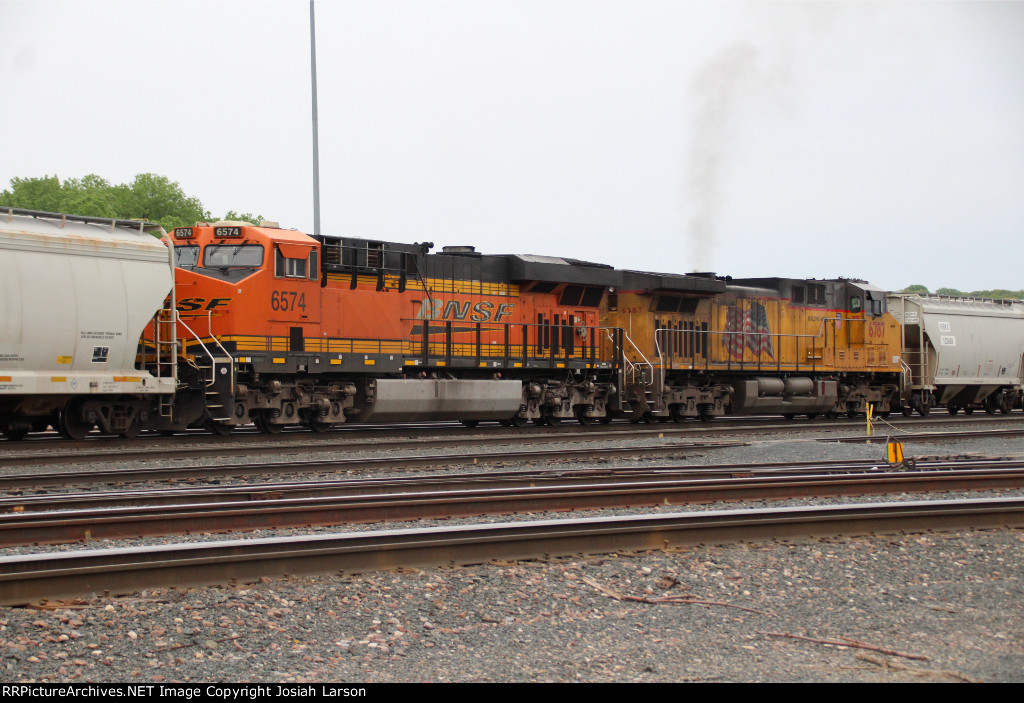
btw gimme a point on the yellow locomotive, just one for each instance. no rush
(764, 345)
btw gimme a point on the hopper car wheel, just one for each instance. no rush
(968, 410)
(218, 428)
(677, 411)
(851, 414)
(1007, 404)
(906, 410)
(707, 413)
(789, 416)
(470, 423)
(132, 430)
(582, 418)
(924, 409)
(15, 435)
(831, 415)
(318, 427)
(165, 433)
(812, 416)
(518, 421)
(992, 404)
(539, 421)
(551, 420)
(71, 426)
(605, 420)
(952, 409)
(884, 414)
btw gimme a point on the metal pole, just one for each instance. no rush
(316, 145)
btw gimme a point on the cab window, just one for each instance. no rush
(287, 267)
(233, 256)
(854, 303)
(186, 256)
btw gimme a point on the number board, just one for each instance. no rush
(183, 232)
(227, 231)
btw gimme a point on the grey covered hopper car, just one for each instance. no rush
(960, 353)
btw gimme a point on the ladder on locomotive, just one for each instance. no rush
(166, 346)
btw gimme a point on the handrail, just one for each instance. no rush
(629, 364)
(213, 360)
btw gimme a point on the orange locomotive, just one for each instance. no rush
(281, 328)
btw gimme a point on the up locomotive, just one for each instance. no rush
(273, 327)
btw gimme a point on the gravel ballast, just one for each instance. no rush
(940, 606)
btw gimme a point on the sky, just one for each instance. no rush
(874, 140)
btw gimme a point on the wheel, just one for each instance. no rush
(678, 412)
(968, 410)
(924, 409)
(789, 416)
(15, 435)
(318, 427)
(851, 414)
(165, 433)
(470, 423)
(884, 414)
(812, 416)
(707, 413)
(132, 431)
(71, 424)
(1006, 405)
(992, 404)
(952, 409)
(552, 421)
(605, 420)
(539, 421)
(517, 421)
(219, 428)
(582, 417)
(266, 427)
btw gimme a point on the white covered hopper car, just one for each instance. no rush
(76, 294)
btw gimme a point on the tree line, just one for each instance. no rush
(148, 197)
(995, 293)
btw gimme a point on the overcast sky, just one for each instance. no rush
(872, 140)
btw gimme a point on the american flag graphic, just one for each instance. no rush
(748, 328)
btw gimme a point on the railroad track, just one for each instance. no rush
(82, 518)
(28, 579)
(46, 451)
(399, 463)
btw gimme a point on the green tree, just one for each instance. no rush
(157, 199)
(148, 197)
(243, 217)
(35, 194)
(950, 292)
(916, 288)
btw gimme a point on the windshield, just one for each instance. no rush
(233, 256)
(186, 255)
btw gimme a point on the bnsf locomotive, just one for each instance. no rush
(273, 327)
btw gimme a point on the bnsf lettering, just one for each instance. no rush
(193, 304)
(484, 311)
